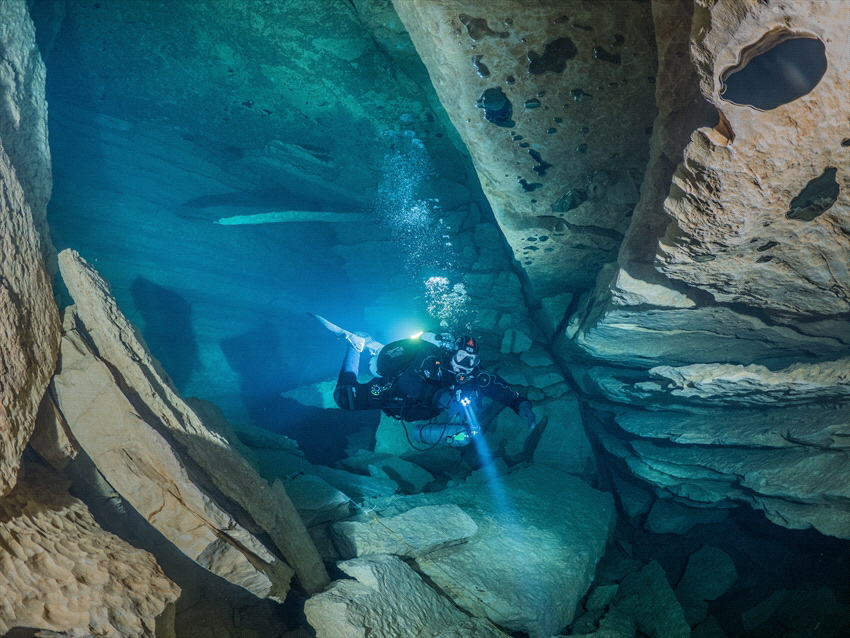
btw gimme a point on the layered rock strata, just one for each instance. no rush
(747, 254)
(61, 571)
(29, 325)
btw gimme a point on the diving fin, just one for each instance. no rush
(359, 341)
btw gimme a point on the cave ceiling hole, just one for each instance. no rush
(779, 69)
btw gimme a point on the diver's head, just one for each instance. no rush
(465, 358)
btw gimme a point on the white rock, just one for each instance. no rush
(140, 464)
(555, 522)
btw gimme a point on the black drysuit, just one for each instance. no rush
(417, 383)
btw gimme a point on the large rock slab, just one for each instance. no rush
(629, 322)
(540, 535)
(554, 107)
(412, 533)
(29, 322)
(151, 393)
(387, 599)
(699, 386)
(813, 426)
(140, 464)
(60, 571)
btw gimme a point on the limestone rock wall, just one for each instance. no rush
(61, 571)
(29, 326)
(555, 105)
(730, 288)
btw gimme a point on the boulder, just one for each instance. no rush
(316, 500)
(29, 321)
(634, 500)
(289, 466)
(410, 477)
(386, 599)
(563, 443)
(670, 517)
(601, 596)
(62, 572)
(413, 533)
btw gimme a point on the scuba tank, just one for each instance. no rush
(442, 434)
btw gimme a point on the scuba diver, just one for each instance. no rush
(419, 378)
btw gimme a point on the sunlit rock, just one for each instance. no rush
(29, 322)
(150, 392)
(61, 571)
(554, 106)
(385, 598)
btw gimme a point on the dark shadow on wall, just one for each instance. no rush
(267, 367)
(168, 329)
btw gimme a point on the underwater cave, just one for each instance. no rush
(300, 335)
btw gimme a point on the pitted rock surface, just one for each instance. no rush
(557, 125)
(61, 571)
